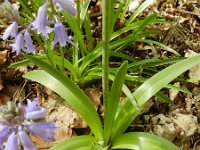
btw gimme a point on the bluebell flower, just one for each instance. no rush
(10, 12)
(12, 31)
(60, 36)
(68, 5)
(19, 44)
(41, 22)
(29, 44)
(26, 141)
(15, 125)
(12, 142)
(33, 111)
(39, 128)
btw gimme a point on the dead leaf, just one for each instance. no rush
(174, 93)
(3, 56)
(187, 123)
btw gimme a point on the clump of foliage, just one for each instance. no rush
(62, 75)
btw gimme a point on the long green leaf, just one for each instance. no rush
(63, 86)
(142, 141)
(161, 45)
(84, 10)
(149, 88)
(85, 142)
(113, 101)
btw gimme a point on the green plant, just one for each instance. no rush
(84, 63)
(118, 116)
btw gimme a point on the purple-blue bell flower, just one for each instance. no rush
(19, 44)
(68, 5)
(41, 22)
(12, 31)
(12, 143)
(33, 111)
(4, 132)
(26, 141)
(15, 126)
(60, 36)
(29, 44)
(44, 130)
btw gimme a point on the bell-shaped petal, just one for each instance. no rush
(41, 22)
(12, 31)
(19, 44)
(4, 132)
(68, 5)
(44, 130)
(29, 44)
(26, 141)
(33, 111)
(12, 142)
(60, 36)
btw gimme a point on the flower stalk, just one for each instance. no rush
(106, 20)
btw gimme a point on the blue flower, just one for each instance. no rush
(60, 36)
(67, 5)
(12, 142)
(40, 128)
(15, 125)
(33, 111)
(12, 31)
(19, 44)
(26, 141)
(29, 44)
(41, 22)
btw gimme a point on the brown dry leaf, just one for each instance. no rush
(3, 56)
(16, 92)
(94, 95)
(1, 83)
(164, 127)
(187, 123)
(4, 98)
(194, 73)
(65, 118)
(174, 93)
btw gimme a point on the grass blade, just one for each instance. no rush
(142, 7)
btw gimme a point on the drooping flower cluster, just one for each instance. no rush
(23, 41)
(16, 122)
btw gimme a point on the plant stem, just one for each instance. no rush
(63, 61)
(106, 20)
(78, 7)
(43, 47)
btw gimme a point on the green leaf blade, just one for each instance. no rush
(77, 143)
(62, 85)
(142, 141)
(127, 113)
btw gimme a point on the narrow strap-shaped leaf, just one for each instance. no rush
(63, 86)
(142, 7)
(85, 142)
(112, 103)
(161, 45)
(84, 10)
(149, 88)
(142, 141)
